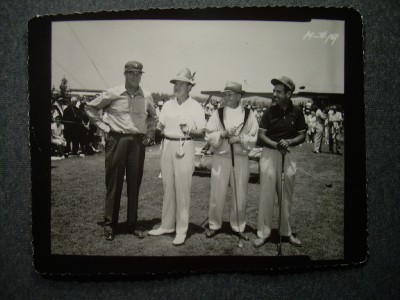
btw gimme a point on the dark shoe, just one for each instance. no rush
(211, 233)
(137, 234)
(338, 152)
(258, 242)
(316, 152)
(294, 241)
(108, 233)
(134, 232)
(242, 236)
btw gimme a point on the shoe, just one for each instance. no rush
(242, 236)
(316, 152)
(294, 241)
(160, 231)
(179, 240)
(338, 152)
(108, 233)
(160, 176)
(258, 242)
(135, 233)
(211, 233)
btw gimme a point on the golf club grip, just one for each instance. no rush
(232, 156)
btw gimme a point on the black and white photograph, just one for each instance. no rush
(208, 139)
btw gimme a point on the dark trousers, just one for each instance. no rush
(123, 153)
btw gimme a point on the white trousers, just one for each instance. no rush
(221, 175)
(177, 182)
(270, 187)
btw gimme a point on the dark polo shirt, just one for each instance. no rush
(280, 124)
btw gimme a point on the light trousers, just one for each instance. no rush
(270, 187)
(221, 175)
(319, 133)
(177, 182)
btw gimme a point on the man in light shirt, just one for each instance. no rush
(181, 119)
(237, 126)
(334, 122)
(131, 121)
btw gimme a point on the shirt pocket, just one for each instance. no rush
(138, 107)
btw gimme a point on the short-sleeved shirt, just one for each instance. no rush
(57, 130)
(280, 124)
(172, 114)
(129, 114)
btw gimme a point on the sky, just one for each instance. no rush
(92, 54)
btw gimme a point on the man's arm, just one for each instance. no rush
(152, 119)
(198, 132)
(299, 139)
(266, 141)
(93, 110)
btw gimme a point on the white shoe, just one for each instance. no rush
(160, 176)
(179, 239)
(160, 231)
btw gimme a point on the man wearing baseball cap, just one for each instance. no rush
(181, 119)
(231, 127)
(281, 127)
(131, 123)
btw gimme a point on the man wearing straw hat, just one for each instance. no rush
(281, 127)
(181, 119)
(231, 127)
(131, 124)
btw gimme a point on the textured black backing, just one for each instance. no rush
(377, 278)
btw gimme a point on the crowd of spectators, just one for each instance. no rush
(72, 133)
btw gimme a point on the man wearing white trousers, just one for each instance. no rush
(283, 125)
(232, 125)
(181, 119)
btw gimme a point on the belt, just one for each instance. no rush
(178, 139)
(120, 134)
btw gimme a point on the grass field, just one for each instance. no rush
(78, 192)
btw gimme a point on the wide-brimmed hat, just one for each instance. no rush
(185, 76)
(233, 87)
(285, 81)
(134, 66)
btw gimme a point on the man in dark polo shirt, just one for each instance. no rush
(131, 124)
(281, 127)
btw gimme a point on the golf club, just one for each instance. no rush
(240, 244)
(280, 199)
(329, 185)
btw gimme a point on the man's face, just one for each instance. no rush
(232, 99)
(279, 94)
(181, 88)
(132, 78)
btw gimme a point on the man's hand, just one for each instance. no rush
(283, 144)
(160, 126)
(225, 134)
(232, 130)
(234, 139)
(147, 141)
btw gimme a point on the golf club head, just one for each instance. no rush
(329, 185)
(240, 244)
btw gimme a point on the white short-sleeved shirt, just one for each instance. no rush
(57, 130)
(172, 115)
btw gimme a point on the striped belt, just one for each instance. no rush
(178, 139)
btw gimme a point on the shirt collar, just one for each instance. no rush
(122, 89)
(288, 110)
(184, 103)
